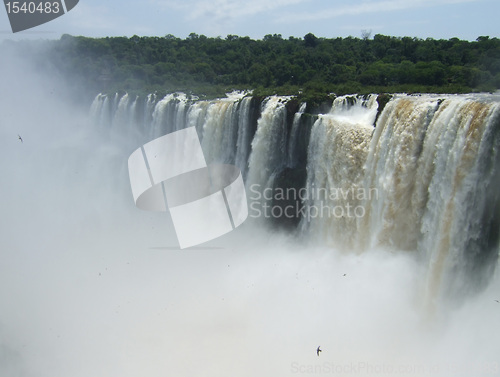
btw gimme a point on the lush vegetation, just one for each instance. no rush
(313, 65)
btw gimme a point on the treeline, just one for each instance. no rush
(275, 64)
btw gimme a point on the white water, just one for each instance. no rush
(268, 154)
(336, 156)
(409, 184)
(243, 144)
(220, 132)
(391, 168)
(294, 135)
(91, 286)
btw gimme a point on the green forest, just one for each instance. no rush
(311, 65)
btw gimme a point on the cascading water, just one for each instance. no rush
(125, 114)
(268, 154)
(457, 223)
(422, 180)
(392, 220)
(101, 110)
(294, 136)
(168, 115)
(220, 130)
(434, 165)
(244, 142)
(337, 152)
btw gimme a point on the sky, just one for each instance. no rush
(438, 19)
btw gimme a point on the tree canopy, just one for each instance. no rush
(275, 64)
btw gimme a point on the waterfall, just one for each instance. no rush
(422, 180)
(244, 141)
(337, 153)
(268, 154)
(294, 137)
(169, 114)
(456, 225)
(101, 110)
(121, 118)
(147, 116)
(220, 131)
(391, 169)
(434, 165)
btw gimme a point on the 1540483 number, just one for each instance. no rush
(32, 7)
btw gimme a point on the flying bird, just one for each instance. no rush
(497, 301)
(318, 350)
(20, 138)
